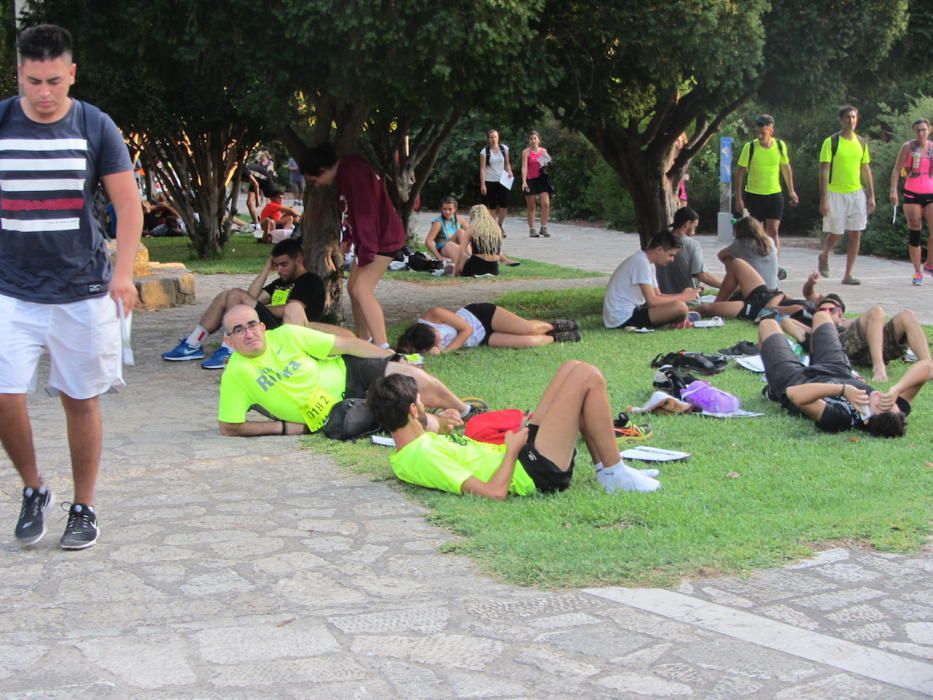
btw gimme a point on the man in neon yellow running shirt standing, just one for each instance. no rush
(847, 193)
(765, 161)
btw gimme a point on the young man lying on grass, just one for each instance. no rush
(826, 392)
(537, 457)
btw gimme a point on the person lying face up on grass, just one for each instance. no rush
(537, 457)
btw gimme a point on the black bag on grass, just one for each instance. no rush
(700, 362)
(350, 419)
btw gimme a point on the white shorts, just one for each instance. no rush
(82, 339)
(848, 211)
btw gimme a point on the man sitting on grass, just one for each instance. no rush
(826, 392)
(755, 296)
(632, 296)
(538, 456)
(297, 375)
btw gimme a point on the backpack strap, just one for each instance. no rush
(834, 146)
(751, 153)
(782, 149)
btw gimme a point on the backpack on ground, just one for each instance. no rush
(419, 262)
(350, 419)
(671, 380)
(701, 362)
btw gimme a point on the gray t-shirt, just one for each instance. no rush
(52, 250)
(766, 265)
(679, 274)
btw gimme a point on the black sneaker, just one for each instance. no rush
(82, 530)
(562, 325)
(476, 407)
(30, 528)
(567, 337)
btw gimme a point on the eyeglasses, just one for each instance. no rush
(240, 329)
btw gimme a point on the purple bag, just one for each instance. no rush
(708, 398)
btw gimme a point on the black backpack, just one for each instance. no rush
(419, 262)
(503, 149)
(350, 419)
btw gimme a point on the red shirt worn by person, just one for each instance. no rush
(273, 210)
(369, 220)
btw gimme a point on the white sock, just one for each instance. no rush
(621, 477)
(385, 346)
(196, 339)
(647, 472)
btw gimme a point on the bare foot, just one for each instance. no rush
(880, 374)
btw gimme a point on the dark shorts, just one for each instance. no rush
(477, 266)
(268, 320)
(640, 318)
(496, 197)
(484, 313)
(783, 369)
(756, 301)
(548, 477)
(361, 373)
(391, 254)
(539, 185)
(914, 198)
(765, 206)
(855, 344)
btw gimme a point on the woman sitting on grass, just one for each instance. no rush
(755, 247)
(441, 330)
(443, 239)
(481, 246)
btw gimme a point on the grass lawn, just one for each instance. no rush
(755, 493)
(243, 255)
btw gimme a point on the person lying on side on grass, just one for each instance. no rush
(441, 330)
(826, 392)
(537, 457)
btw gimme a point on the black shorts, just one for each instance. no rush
(484, 313)
(914, 198)
(548, 477)
(539, 185)
(765, 206)
(756, 301)
(391, 254)
(477, 266)
(496, 197)
(268, 320)
(640, 318)
(783, 369)
(361, 373)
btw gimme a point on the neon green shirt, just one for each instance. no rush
(444, 462)
(847, 165)
(764, 175)
(295, 363)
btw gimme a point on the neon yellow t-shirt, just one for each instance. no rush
(764, 175)
(847, 165)
(444, 462)
(296, 362)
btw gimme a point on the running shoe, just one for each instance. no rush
(566, 336)
(184, 352)
(822, 266)
(851, 280)
(30, 528)
(219, 359)
(561, 325)
(918, 279)
(532, 233)
(544, 232)
(627, 431)
(82, 529)
(476, 406)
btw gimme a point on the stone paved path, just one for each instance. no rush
(253, 568)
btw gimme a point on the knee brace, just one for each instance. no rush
(914, 239)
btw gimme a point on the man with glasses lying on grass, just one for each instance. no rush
(539, 456)
(826, 391)
(297, 375)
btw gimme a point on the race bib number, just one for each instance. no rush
(280, 296)
(317, 409)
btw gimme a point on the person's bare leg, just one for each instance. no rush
(85, 438)
(672, 312)
(508, 340)
(295, 315)
(828, 244)
(928, 215)
(16, 437)
(434, 393)
(766, 329)
(213, 316)
(450, 250)
(914, 215)
(500, 216)
(545, 208)
(504, 321)
(251, 202)
(559, 415)
(907, 326)
(361, 286)
(531, 204)
(772, 228)
(329, 328)
(853, 241)
(795, 329)
(872, 324)
(728, 286)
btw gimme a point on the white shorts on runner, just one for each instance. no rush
(848, 211)
(81, 337)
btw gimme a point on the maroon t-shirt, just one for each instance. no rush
(369, 220)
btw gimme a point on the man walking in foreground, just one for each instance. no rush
(55, 273)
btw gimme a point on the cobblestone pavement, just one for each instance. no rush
(253, 568)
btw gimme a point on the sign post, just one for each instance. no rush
(724, 218)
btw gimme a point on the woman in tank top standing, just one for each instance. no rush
(915, 162)
(493, 161)
(536, 184)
